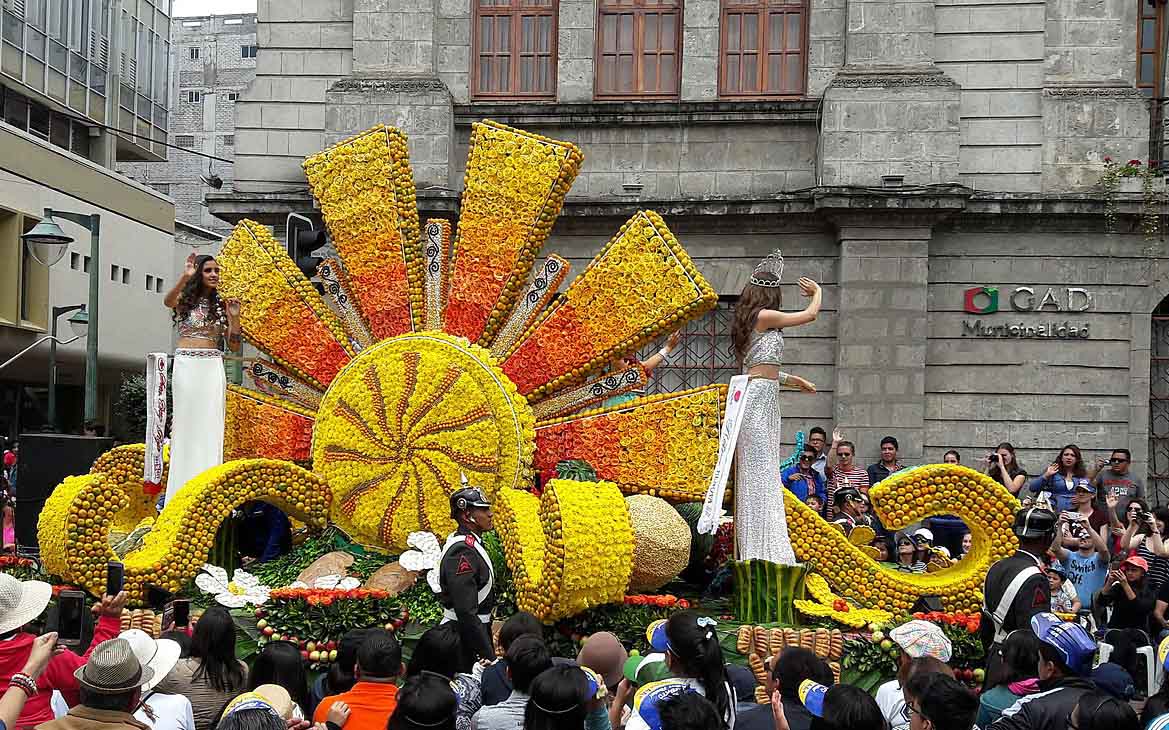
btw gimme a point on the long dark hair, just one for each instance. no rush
(1078, 469)
(1018, 651)
(279, 662)
(213, 644)
(700, 657)
(425, 701)
(194, 290)
(753, 299)
(439, 651)
(1013, 470)
(341, 676)
(558, 700)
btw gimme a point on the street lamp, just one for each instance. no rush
(79, 323)
(47, 244)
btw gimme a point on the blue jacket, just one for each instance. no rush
(1061, 489)
(800, 486)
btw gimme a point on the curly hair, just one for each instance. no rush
(194, 290)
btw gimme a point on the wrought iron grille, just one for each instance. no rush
(1159, 407)
(707, 354)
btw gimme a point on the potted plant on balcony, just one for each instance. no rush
(1131, 178)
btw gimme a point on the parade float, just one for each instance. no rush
(434, 355)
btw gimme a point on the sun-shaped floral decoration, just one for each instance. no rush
(431, 359)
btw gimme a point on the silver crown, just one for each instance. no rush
(773, 264)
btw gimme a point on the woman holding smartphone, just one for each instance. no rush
(1002, 467)
(1146, 536)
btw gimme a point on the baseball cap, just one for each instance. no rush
(924, 535)
(1137, 562)
(1113, 679)
(812, 696)
(1084, 487)
(1071, 640)
(641, 670)
(919, 638)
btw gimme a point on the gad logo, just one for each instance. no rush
(985, 300)
(990, 300)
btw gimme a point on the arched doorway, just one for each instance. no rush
(1159, 405)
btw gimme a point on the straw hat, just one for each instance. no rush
(270, 697)
(159, 656)
(113, 668)
(21, 601)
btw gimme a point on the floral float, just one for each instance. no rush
(124, 465)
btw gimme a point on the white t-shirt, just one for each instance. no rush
(891, 700)
(172, 712)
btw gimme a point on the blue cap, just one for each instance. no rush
(649, 699)
(1113, 679)
(1072, 641)
(655, 634)
(812, 696)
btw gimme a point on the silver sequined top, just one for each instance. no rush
(763, 348)
(202, 323)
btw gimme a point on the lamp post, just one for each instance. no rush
(47, 244)
(79, 322)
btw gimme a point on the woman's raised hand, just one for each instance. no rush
(233, 308)
(189, 269)
(808, 287)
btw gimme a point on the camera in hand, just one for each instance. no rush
(70, 618)
(995, 458)
(115, 577)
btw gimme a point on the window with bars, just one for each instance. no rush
(248, 51)
(706, 354)
(193, 52)
(1150, 48)
(193, 97)
(639, 51)
(515, 48)
(763, 48)
(185, 140)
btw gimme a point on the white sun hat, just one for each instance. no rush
(21, 601)
(160, 655)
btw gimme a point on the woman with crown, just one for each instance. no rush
(757, 333)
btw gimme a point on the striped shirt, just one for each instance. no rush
(855, 477)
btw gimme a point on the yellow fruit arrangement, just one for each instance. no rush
(74, 524)
(903, 499)
(123, 466)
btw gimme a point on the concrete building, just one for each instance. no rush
(73, 72)
(904, 153)
(212, 59)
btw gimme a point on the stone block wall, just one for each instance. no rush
(1038, 394)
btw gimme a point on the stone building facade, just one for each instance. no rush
(213, 59)
(905, 153)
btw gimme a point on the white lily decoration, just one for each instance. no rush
(242, 589)
(424, 557)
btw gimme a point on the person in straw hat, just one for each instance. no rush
(20, 603)
(111, 682)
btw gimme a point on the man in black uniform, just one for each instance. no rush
(465, 575)
(1016, 588)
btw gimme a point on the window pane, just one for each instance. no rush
(1148, 34)
(626, 72)
(649, 72)
(1147, 68)
(544, 38)
(668, 28)
(625, 33)
(527, 74)
(649, 36)
(669, 73)
(774, 31)
(486, 39)
(774, 72)
(793, 82)
(732, 75)
(793, 41)
(503, 34)
(527, 34)
(750, 72)
(750, 32)
(733, 33)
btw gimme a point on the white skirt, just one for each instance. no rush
(199, 392)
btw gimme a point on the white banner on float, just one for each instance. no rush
(155, 417)
(712, 506)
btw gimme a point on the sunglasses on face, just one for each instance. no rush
(1114, 460)
(805, 457)
(844, 454)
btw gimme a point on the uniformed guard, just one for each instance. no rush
(1016, 588)
(466, 578)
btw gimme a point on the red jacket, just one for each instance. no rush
(57, 676)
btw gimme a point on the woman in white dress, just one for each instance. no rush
(760, 521)
(205, 323)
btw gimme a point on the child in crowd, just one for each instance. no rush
(1063, 593)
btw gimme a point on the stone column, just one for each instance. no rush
(576, 47)
(890, 110)
(396, 81)
(882, 323)
(1091, 107)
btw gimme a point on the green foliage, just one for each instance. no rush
(422, 604)
(626, 622)
(578, 470)
(700, 544)
(130, 407)
(505, 604)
